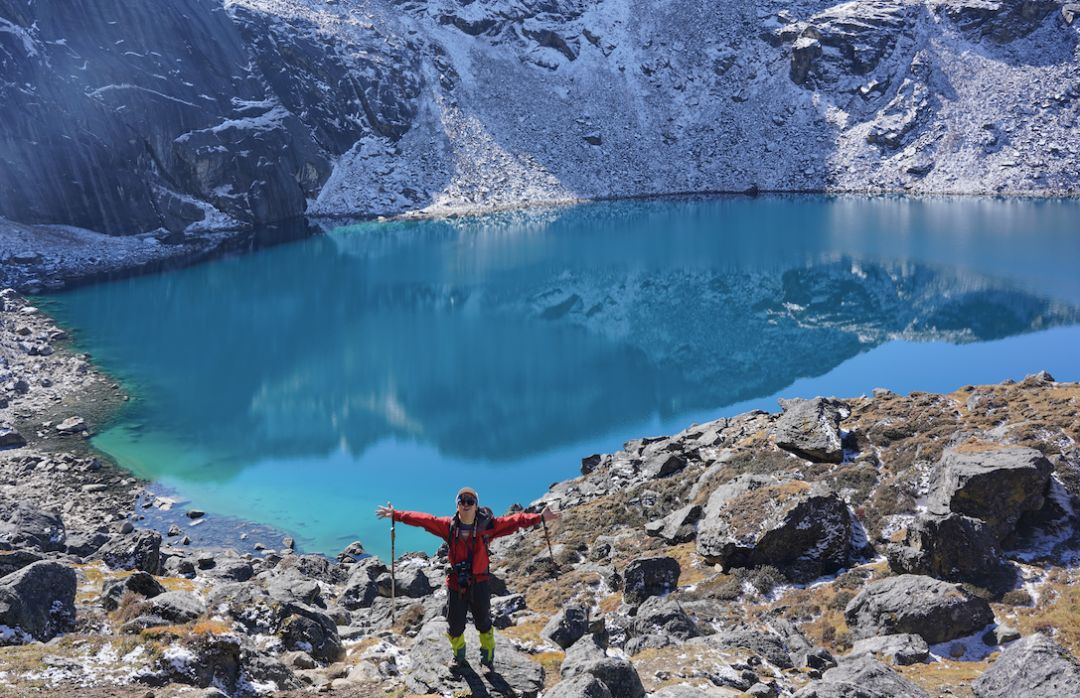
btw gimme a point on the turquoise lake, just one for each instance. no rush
(302, 385)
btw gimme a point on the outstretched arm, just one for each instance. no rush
(436, 525)
(505, 525)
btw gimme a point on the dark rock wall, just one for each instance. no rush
(124, 116)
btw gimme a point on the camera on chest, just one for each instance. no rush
(462, 571)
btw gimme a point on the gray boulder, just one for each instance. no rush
(861, 677)
(84, 544)
(504, 607)
(312, 631)
(230, 568)
(1035, 664)
(411, 582)
(678, 526)
(567, 626)
(811, 428)
(763, 643)
(999, 21)
(248, 605)
(650, 576)
(902, 648)
(803, 531)
(362, 587)
(955, 548)
(29, 527)
(13, 560)
(936, 611)
(585, 651)
(140, 550)
(618, 674)
(996, 485)
(659, 622)
(39, 599)
(177, 606)
(515, 674)
(141, 583)
(293, 588)
(206, 660)
(587, 686)
(10, 438)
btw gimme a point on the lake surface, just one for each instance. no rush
(304, 384)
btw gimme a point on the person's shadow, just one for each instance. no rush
(495, 685)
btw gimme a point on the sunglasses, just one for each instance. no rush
(466, 501)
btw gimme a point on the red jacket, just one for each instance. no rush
(459, 549)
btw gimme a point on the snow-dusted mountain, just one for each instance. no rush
(129, 116)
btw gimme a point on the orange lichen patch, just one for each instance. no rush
(945, 677)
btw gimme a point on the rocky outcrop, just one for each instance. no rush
(649, 576)
(998, 485)
(811, 428)
(619, 675)
(678, 526)
(861, 677)
(137, 551)
(513, 671)
(935, 611)
(27, 527)
(955, 548)
(801, 530)
(659, 622)
(139, 583)
(1037, 664)
(1000, 21)
(268, 109)
(567, 626)
(38, 601)
(902, 648)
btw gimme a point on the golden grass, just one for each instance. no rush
(1056, 613)
(945, 677)
(528, 631)
(694, 569)
(551, 662)
(550, 595)
(193, 629)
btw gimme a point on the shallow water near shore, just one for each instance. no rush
(303, 385)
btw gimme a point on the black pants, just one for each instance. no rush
(476, 598)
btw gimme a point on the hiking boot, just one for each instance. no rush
(487, 658)
(457, 662)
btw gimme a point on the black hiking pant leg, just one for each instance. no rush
(480, 605)
(457, 604)
(477, 599)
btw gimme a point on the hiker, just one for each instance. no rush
(468, 534)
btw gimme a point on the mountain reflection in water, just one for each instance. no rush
(521, 342)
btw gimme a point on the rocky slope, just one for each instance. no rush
(176, 118)
(887, 545)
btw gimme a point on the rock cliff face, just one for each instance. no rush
(178, 117)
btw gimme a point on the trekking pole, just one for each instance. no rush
(548, 539)
(393, 558)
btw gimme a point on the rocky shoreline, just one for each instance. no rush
(915, 545)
